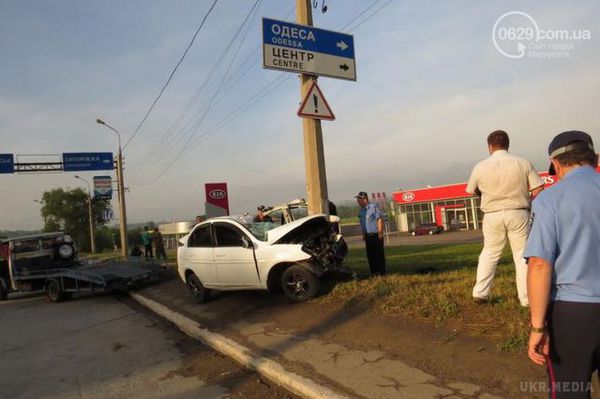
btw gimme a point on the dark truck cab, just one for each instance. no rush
(48, 262)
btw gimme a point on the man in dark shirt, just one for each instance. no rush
(159, 244)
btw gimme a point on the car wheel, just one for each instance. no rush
(431, 232)
(55, 293)
(196, 289)
(299, 284)
(65, 252)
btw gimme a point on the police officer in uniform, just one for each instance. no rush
(371, 223)
(563, 255)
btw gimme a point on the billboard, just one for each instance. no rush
(217, 199)
(103, 187)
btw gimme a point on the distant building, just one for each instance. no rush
(172, 232)
(449, 206)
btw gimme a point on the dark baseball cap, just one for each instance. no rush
(261, 208)
(362, 194)
(568, 141)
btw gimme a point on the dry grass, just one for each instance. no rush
(433, 283)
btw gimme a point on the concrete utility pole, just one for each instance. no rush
(314, 157)
(121, 189)
(90, 215)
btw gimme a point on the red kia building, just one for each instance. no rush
(449, 206)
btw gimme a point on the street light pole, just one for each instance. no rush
(121, 189)
(90, 214)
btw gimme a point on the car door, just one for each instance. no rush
(199, 254)
(234, 258)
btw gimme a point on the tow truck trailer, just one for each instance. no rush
(48, 262)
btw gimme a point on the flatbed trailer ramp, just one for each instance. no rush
(60, 284)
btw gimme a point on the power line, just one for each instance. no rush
(360, 14)
(372, 15)
(164, 139)
(220, 87)
(252, 100)
(255, 98)
(137, 129)
(229, 83)
(275, 83)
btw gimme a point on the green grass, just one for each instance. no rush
(349, 220)
(433, 283)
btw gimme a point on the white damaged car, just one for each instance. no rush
(233, 253)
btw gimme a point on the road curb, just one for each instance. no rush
(266, 367)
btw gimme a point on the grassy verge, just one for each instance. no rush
(433, 283)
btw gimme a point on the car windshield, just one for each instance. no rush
(258, 229)
(299, 212)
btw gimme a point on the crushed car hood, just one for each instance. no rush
(284, 234)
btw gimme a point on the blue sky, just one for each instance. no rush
(431, 86)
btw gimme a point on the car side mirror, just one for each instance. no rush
(246, 243)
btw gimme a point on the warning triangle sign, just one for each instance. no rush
(315, 106)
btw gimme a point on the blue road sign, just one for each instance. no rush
(7, 163)
(81, 161)
(306, 49)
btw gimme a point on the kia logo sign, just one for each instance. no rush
(408, 197)
(217, 194)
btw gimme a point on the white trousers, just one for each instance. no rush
(497, 226)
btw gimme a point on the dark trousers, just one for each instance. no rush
(375, 254)
(148, 251)
(161, 253)
(574, 329)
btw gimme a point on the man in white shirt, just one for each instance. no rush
(506, 184)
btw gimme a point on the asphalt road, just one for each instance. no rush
(106, 346)
(446, 237)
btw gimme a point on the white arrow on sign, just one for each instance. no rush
(315, 106)
(342, 45)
